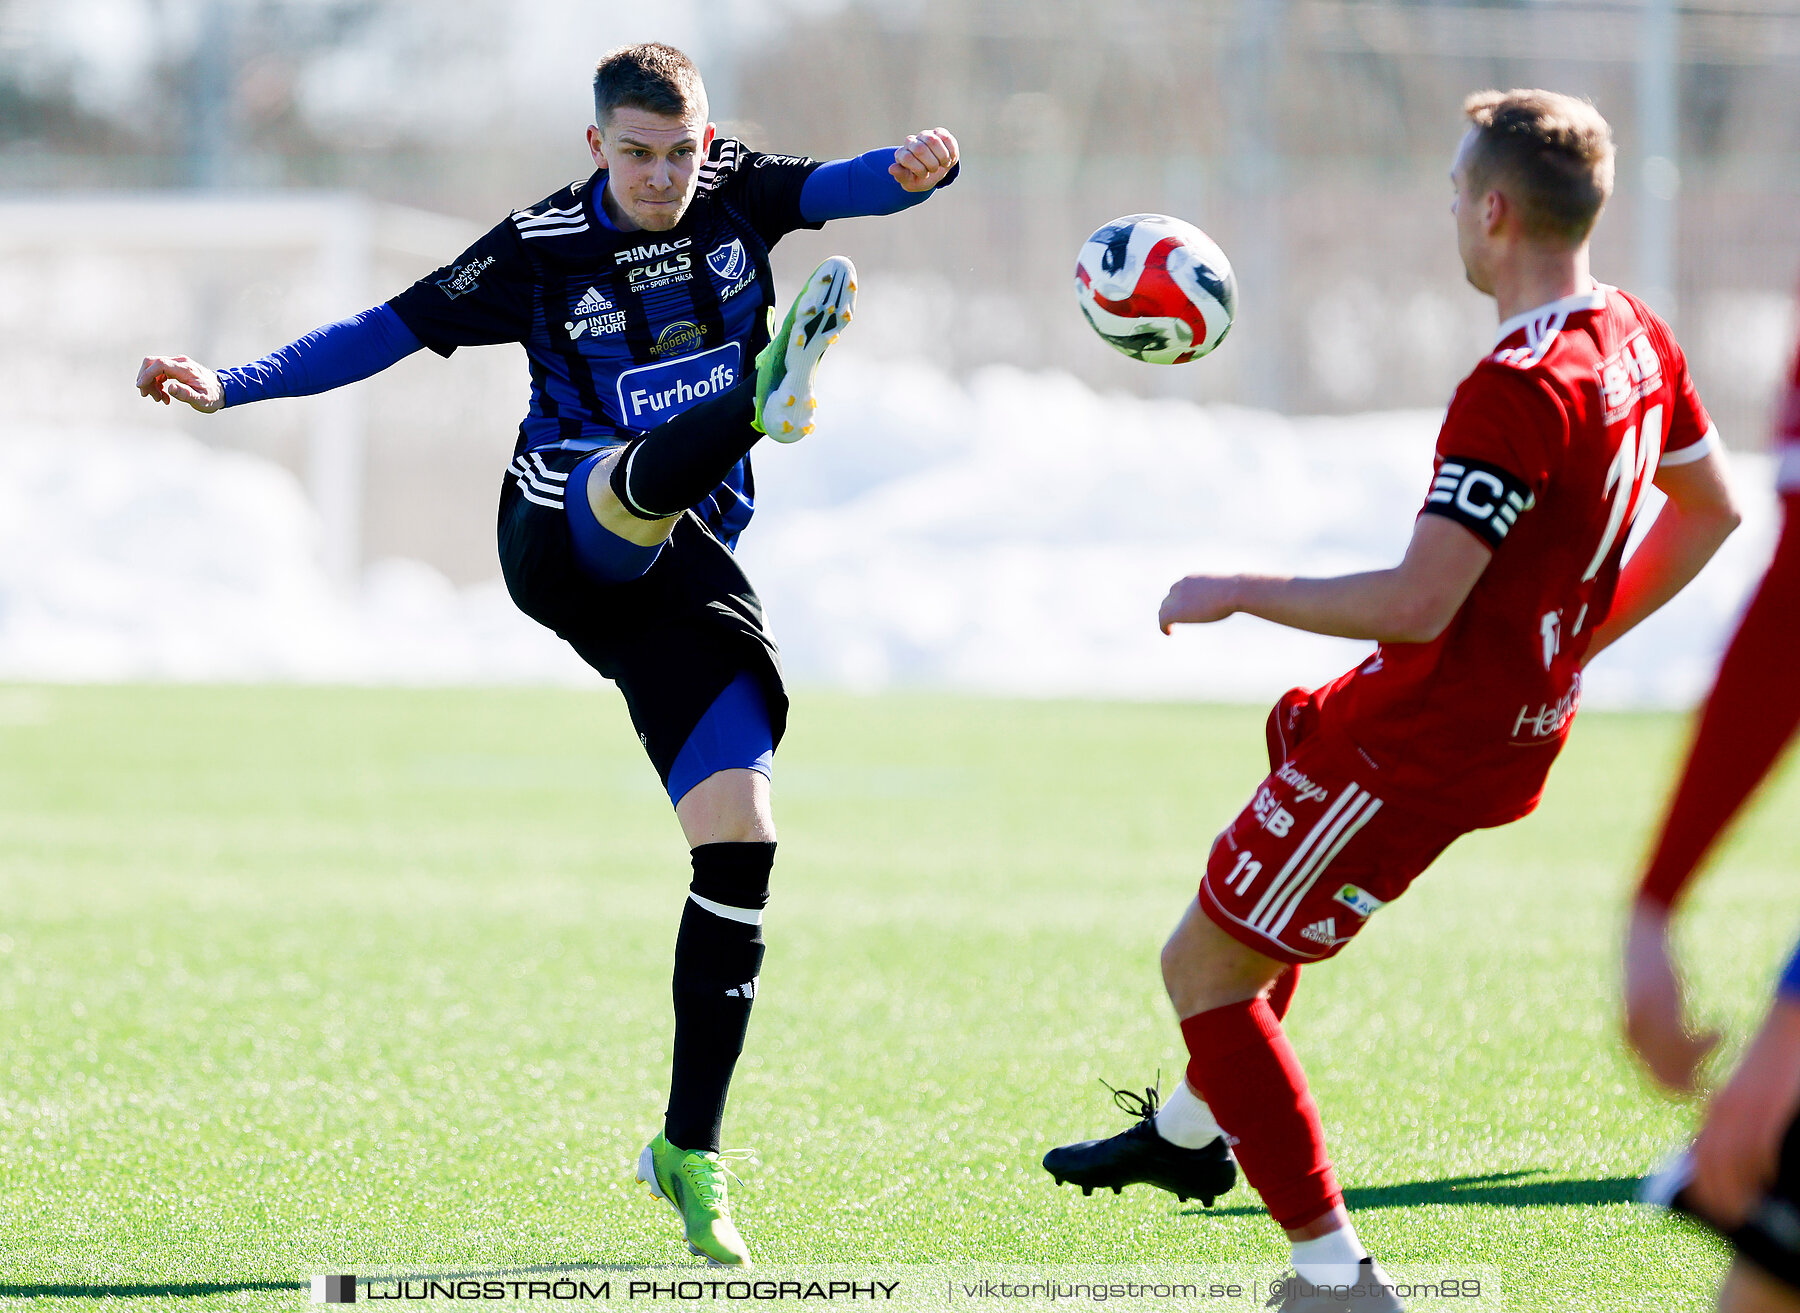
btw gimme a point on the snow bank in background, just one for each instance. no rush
(1014, 535)
(1017, 535)
(142, 555)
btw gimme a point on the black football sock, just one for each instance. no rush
(675, 464)
(718, 954)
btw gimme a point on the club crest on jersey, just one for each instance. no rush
(595, 316)
(728, 261)
(464, 277)
(1628, 374)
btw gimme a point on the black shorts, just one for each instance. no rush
(1771, 1237)
(671, 640)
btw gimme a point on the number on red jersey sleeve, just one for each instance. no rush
(1500, 443)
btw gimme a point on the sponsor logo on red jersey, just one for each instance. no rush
(1629, 375)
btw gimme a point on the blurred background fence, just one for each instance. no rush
(218, 176)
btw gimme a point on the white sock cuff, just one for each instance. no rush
(1185, 1120)
(1330, 1259)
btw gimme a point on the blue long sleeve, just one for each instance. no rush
(849, 189)
(326, 358)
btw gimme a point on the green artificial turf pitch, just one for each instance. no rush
(309, 980)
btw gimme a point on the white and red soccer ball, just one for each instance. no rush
(1156, 288)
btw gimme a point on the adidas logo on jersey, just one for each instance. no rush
(1321, 932)
(594, 315)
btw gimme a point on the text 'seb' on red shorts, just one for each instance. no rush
(1319, 850)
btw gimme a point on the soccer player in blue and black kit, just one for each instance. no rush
(644, 301)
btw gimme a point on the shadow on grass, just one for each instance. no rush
(177, 1290)
(1495, 1190)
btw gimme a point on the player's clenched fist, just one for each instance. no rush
(176, 378)
(1198, 599)
(925, 160)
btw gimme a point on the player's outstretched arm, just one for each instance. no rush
(1751, 714)
(176, 378)
(1411, 603)
(1697, 519)
(326, 358)
(883, 181)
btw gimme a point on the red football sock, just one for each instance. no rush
(1281, 997)
(1751, 715)
(1243, 1066)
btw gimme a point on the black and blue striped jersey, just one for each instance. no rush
(624, 330)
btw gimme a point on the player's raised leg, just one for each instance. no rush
(636, 493)
(787, 367)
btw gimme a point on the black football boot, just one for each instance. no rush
(1140, 1155)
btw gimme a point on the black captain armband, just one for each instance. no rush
(1485, 499)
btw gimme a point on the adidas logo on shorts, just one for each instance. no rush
(1321, 932)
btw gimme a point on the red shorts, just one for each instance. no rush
(1319, 849)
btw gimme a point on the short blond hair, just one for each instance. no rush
(1551, 154)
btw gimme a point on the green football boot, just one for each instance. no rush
(693, 1183)
(786, 367)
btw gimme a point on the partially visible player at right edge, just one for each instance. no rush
(1512, 581)
(1743, 1175)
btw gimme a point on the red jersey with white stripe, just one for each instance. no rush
(1546, 454)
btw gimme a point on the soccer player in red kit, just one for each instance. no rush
(1743, 1174)
(1511, 583)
